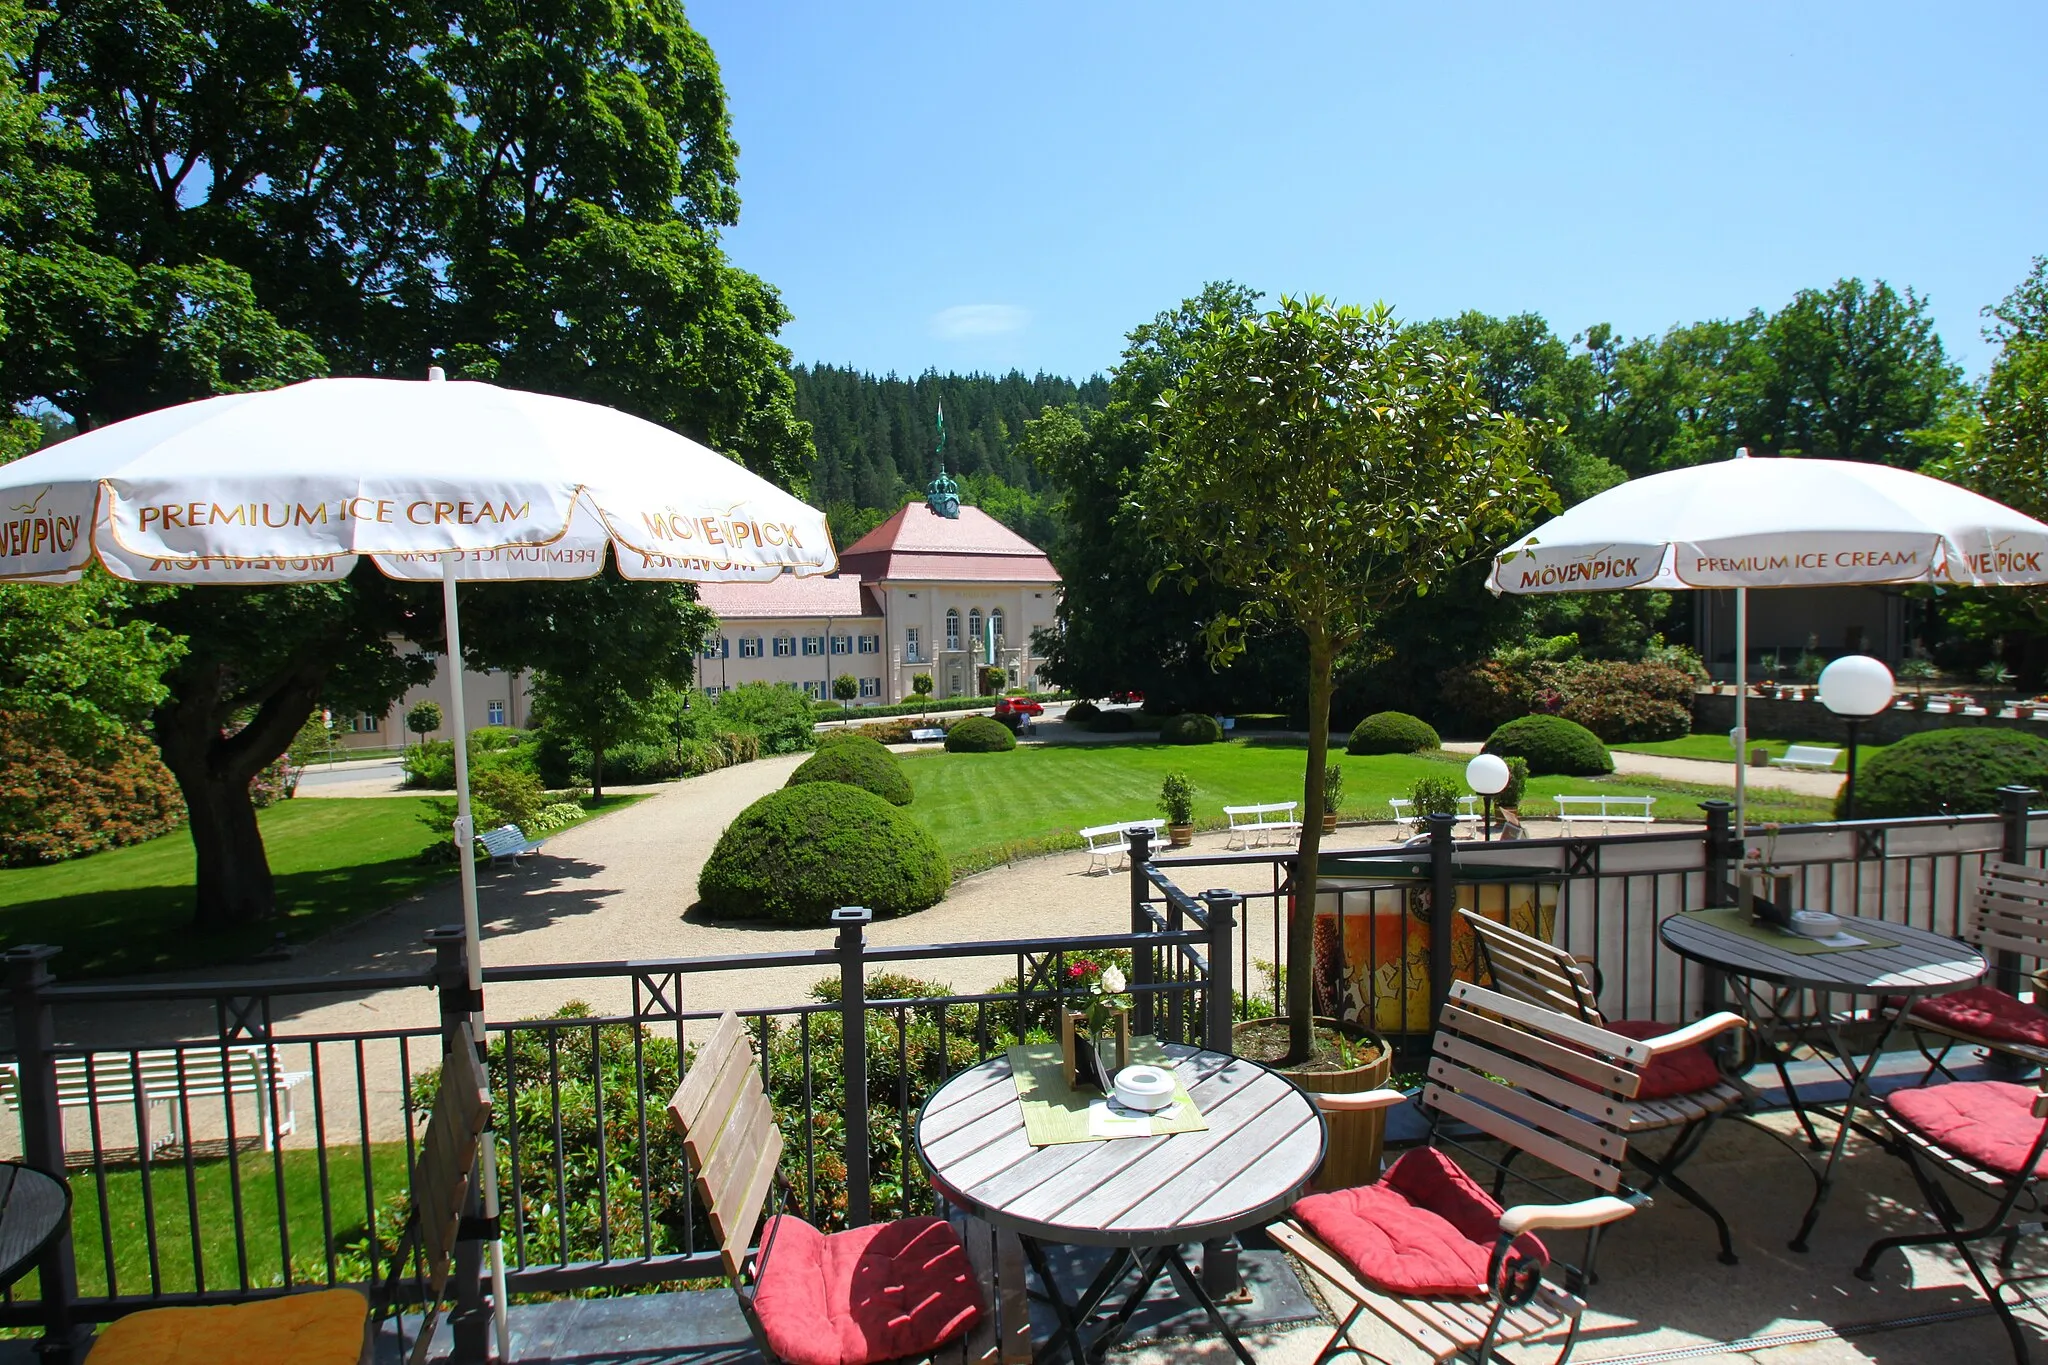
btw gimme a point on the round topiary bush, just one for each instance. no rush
(1393, 732)
(980, 735)
(1948, 771)
(1113, 723)
(1192, 728)
(858, 762)
(800, 853)
(1083, 710)
(1553, 746)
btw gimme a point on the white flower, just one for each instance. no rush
(1112, 981)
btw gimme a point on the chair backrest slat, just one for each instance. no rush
(1516, 1102)
(447, 1157)
(1527, 968)
(728, 1128)
(1569, 1061)
(1605, 1175)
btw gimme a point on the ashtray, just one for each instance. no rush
(1146, 1088)
(1814, 923)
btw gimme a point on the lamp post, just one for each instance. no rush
(1855, 687)
(1488, 776)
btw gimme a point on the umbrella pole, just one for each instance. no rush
(1741, 735)
(472, 928)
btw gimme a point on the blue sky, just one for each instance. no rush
(983, 186)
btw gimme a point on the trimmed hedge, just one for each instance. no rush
(1192, 728)
(860, 762)
(56, 805)
(1083, 710)
(980, 735)
(1113, 723)
(1948, 772)
(1553, 746)
(1393, 732)
(798, 854)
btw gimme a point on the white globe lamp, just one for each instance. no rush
(1488, 775)
(1855, 687)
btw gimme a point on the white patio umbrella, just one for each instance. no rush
(461, 482)
(1775, 523)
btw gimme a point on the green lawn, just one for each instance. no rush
(212, 1182)
(1716, 749)
(987, 808)
(129, 909)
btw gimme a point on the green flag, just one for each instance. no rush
(942, 431)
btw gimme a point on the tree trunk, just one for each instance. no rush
(597, 772)
(234, 882)
(1301, 928)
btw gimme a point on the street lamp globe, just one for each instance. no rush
(1487, 775)
(1856, 685)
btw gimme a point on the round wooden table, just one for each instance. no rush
(1143, 1197)
(1775, 979)
(34, 1208)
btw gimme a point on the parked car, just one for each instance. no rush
(1127, 698)
(1017, 712)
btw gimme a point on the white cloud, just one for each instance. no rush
(965, 320)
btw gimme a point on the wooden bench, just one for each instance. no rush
(1810, 757)
(159, 1077)
(729, 1131)
(1260, 822)
(1608, 810)
(508, 842)
(1110, 844)
(1405, 815)
(926, 734)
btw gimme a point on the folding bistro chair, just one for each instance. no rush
(1425, 1250)
(2011, 917)
(335, 1326)
(915, 1289)
(1682, 1088)
(1989, 1135)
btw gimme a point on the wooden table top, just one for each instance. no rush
(1918, 960)
(1264, 1141)
(33, 1209)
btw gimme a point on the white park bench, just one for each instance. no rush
(1406, 818)
(926, 734)
(508, 842)
(1608, 810)
(206, 1072)
(1108, 844)
(1260, 822)
(1810, 756)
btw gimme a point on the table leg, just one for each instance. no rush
(1148, 1276)
(1193, 1285)
(1859, 1090)
(1073, 1316)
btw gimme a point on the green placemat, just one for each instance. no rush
(1784, 940)
(1054, 1113)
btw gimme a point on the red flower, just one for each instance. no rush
(1081, 967)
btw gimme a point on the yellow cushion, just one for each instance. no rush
(325, 1328)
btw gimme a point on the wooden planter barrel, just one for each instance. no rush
(1356, 1140)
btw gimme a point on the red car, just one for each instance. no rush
(1127, 698)
(1018, 707)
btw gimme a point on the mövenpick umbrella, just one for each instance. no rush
(461, 482)
(1775, 523)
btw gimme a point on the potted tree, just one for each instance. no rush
(1177, 804)
(1333, 795)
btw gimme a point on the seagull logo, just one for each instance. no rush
(30, 507)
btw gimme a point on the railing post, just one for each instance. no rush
(853, 921)
(469, 1324)
(1144, 961)
(1219, 1000)
(1443, 907)
(1721, 854)
(2013, 805)
(42, 1140)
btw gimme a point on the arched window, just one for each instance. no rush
(974, 625)
(995, 624)
(952, 628)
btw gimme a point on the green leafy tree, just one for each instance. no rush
(845, 687)
(921, 684)
(75, 657)
(423, 719)
(1326, 464)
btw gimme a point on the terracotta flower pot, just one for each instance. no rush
(1356, 1140)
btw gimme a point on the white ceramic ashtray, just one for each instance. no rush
(1815, 923)
(1148, 1088)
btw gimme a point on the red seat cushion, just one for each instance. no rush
(1684, 1072)
(865, 1295)
(1425, 1228)
(1991, 1123)
(1986, 1012)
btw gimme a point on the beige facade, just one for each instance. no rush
(806, 652)
(940, 629)
(494, 698)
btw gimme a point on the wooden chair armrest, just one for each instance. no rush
(1587, 1213)
(1693, 1033)
(1360, 1102)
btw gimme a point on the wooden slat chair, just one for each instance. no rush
(2011, 916)
(951, 1292)
(1683, 1088)
(1547, 1085)
(1993, 1137)
(335, 1326)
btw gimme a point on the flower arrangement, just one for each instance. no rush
(1105, 1019)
